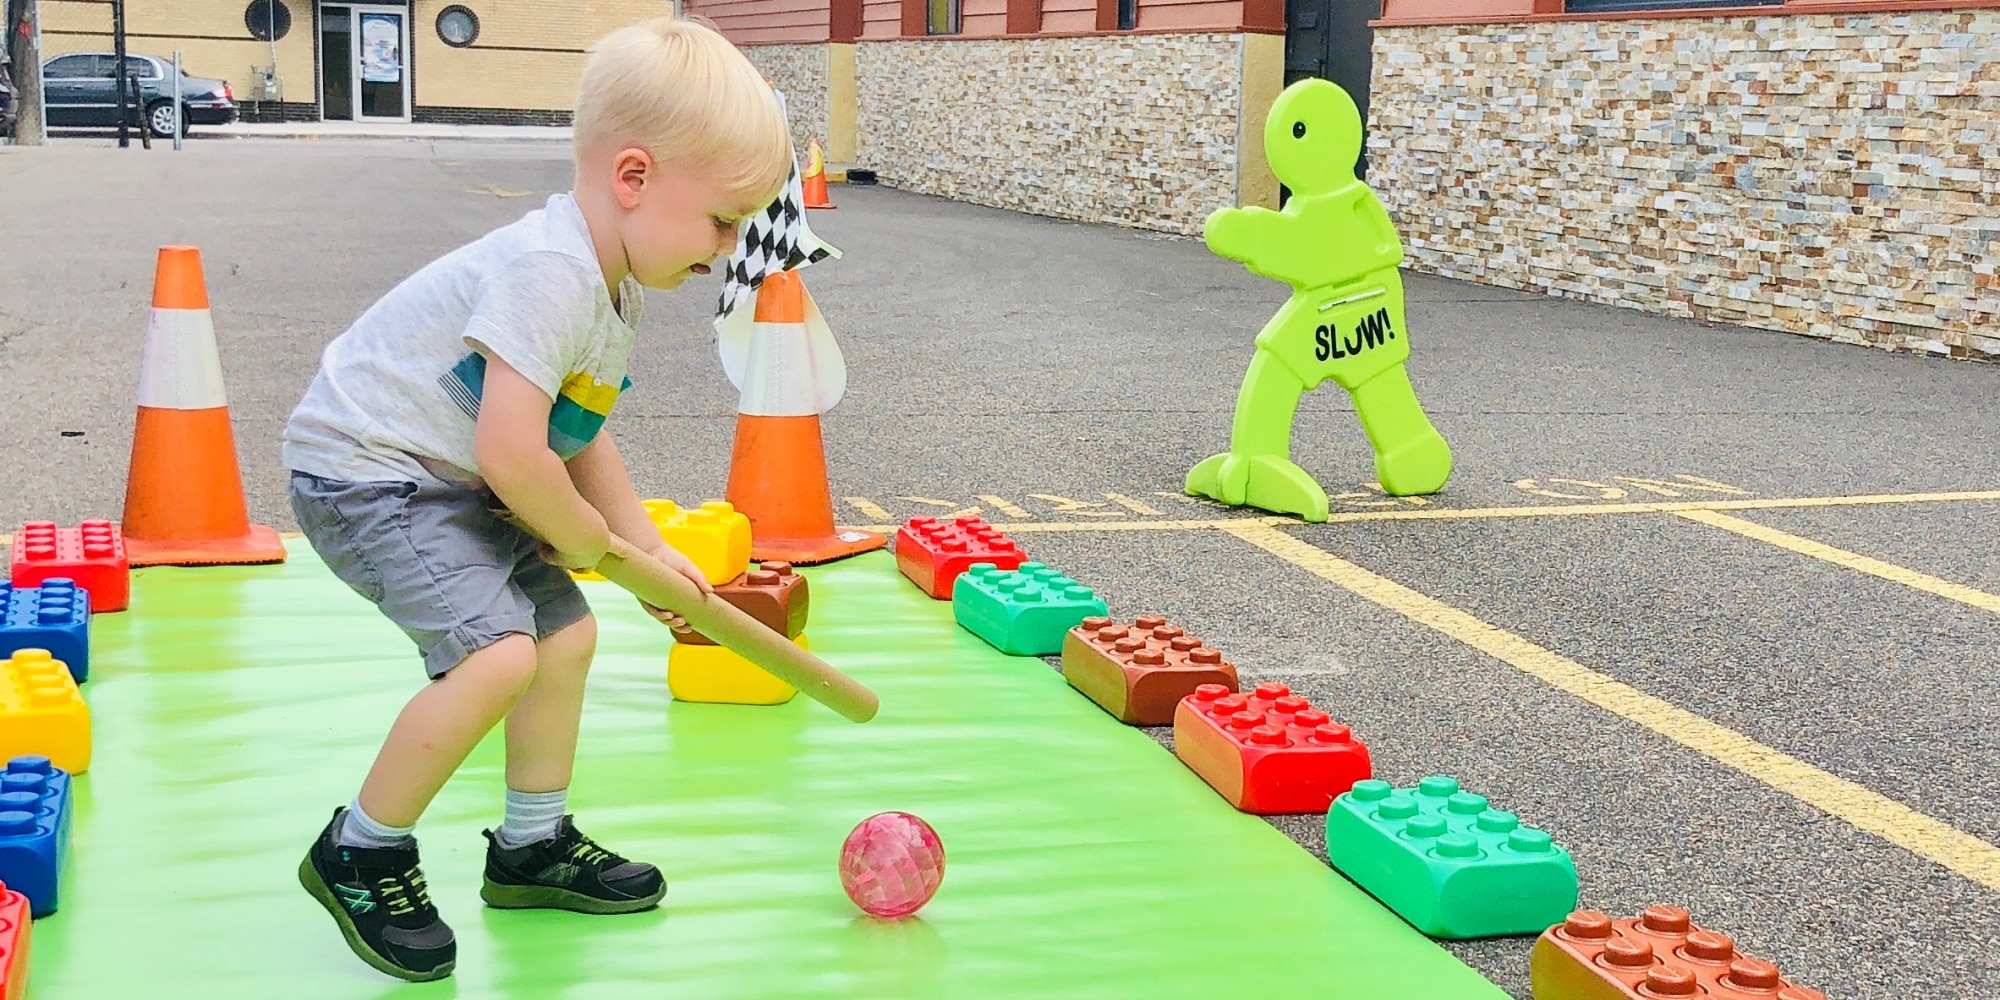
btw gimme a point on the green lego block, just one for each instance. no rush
(1023, 612)
(1446, 862)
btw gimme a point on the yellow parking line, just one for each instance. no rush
(1864, 808)
(1485, 513)
(1851, 560)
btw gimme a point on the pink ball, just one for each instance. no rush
(891, 864)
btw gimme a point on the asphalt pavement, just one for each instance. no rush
(1061, 378)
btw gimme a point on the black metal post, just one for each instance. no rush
(118, 73)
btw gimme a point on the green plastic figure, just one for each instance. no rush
(1336, 246)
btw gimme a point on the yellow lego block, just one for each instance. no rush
(716, 674)
(714, 535)
(41, 711)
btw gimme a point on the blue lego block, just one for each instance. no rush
(1022, 612)
(34, 829)
(1447, 862)
(54, 616)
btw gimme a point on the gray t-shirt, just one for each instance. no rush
(397, 394)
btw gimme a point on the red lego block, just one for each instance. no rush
(1139, 673)
(932, 553)
(14, 926)
(1268, 751)
(770, 593)
(92, 554)
(1659, 956)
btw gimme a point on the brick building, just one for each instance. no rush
(1826, 167)
(462, 61)
(1822, 167)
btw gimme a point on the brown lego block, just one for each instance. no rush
(771, 593)
(1140, 672)
(1659, 956)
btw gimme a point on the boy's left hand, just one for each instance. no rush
(679, 563)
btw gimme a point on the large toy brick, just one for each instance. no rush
(772, 594)
(41, 711)
(1662, 954)
(34, 829)
(719, 675)
(932, 553)
(1022, 612)
(1268, 751)
(54, 616)
(14, 926)
(713, 535)
(1448, 863)
(92, 554)
(1139, 673)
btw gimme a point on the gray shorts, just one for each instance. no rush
(437, 562)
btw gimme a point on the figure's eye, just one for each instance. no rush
(1298, 130)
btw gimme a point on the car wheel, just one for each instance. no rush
(160, 119)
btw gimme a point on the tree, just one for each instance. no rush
(25, 61)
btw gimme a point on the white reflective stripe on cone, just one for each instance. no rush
(181, 369)
(791, 370)
(777, 373)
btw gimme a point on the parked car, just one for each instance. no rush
(10, 109)
(80, 89)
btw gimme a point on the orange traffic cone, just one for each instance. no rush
(815, 178)
(777, 470)
(184, 494)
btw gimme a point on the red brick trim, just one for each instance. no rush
(1264, 16)
(843, 20)
(1421, 12)
(916, 19)
(1107, 15)
(1024, 17)
(1043, 34)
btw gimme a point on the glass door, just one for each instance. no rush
(336, 59)
(364, 63)
(381, 63)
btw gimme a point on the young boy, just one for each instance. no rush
(482, 382)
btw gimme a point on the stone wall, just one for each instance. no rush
(1137, 130)
(1832, 175)
(800, 73)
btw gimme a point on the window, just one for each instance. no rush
(268, 20)
(1128, 14)
(1614, 6)
(942, 18)
(70, 68)
(142, 68)
(457, 26)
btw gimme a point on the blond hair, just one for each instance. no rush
(687, 95)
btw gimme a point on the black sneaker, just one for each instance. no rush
(568, 872)
(378, 898)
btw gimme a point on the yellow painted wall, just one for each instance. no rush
(194, 27)
(492, 73)
(481, 77)
(1263, 81)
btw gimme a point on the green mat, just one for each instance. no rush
(234, 708)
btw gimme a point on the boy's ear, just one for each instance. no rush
(630, 170)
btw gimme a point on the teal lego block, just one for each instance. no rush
(1448, 863)
(1022, 612)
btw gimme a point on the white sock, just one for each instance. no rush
(363, 830)
(531, 816)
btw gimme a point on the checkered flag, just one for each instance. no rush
(776, 239)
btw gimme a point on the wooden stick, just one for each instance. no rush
(651, 581)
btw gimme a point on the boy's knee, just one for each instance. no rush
(505, 668)
(570, 648)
